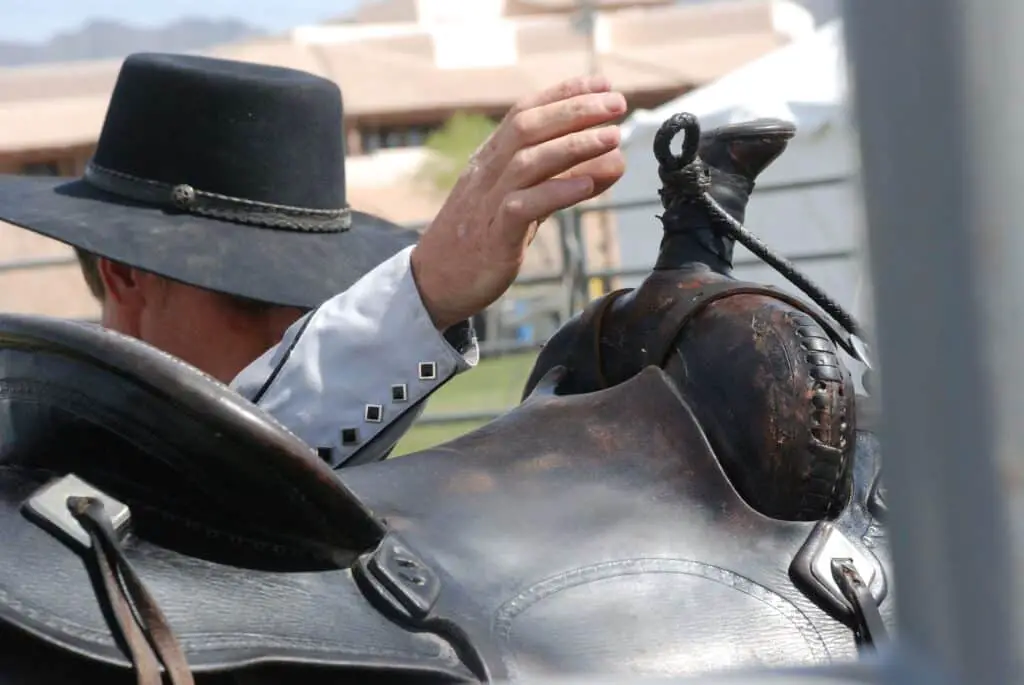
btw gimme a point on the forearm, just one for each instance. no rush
(357, 364)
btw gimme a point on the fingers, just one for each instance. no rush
(569, 107)
(522, 128)
(522, 208)
(605, 170)
(555, 157)
(539, 124)
(580, 85)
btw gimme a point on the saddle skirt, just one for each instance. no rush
(598, 533)
(591, 533)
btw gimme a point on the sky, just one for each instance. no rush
(37, 20)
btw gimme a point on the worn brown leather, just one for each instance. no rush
(585, 534)
(758, 367)
(613, 524)
(765, 381)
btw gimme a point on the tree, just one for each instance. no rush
(450, 147)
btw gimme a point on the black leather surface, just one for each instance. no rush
(597, 534)
(585, 534)
(223, 615)
(71, 389)
(250, 513)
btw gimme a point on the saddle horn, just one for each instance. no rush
(686, 178)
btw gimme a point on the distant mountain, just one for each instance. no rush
(101, 39)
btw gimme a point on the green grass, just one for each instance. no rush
(495, 384)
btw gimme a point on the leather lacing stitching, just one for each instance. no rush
(820, 439)
(136, 617)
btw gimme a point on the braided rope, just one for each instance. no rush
(686, 178)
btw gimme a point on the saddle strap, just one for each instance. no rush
(585, 354)
(138, 620)
(660, 341)
(868, 626)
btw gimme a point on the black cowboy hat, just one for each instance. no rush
(225, 175)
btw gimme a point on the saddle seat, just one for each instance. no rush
(591, 533)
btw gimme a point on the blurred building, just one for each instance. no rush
(404, 66)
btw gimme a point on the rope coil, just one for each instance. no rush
(684, 177)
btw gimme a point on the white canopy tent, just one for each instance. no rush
(806, 205)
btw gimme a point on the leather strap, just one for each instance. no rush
(868, 627)
(660, 342)
(586, 354)
(185, 198)
(138, 619)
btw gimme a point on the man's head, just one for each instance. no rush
(228, 176)
(218, 333)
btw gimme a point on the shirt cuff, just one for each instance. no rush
(356, 364)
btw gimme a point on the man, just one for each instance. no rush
(213, 223)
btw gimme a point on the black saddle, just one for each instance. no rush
(591, 534)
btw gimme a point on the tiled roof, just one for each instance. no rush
(657, 49)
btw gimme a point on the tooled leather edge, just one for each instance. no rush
(824, 366)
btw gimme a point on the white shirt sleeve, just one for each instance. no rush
(356, 364)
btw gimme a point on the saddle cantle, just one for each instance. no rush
(241, 533)
(215, 461)
(594, 533)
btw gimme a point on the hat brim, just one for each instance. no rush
(269, 265)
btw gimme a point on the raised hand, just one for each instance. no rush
(551, 151)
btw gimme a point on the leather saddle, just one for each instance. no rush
(592, 533)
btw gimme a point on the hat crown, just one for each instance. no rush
(249, 131)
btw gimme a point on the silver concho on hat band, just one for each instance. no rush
(186, 198)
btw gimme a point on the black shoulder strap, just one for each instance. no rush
(658, 346)
(584, 360)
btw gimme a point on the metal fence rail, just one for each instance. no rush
(32, 263)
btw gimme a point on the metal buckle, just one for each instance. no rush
(868, 626)
(49, 507)
(835, 545)
(812, 569)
